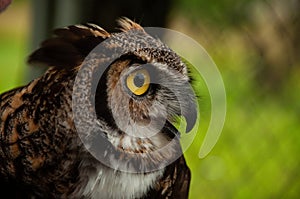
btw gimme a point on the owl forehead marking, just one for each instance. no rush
(148, 48)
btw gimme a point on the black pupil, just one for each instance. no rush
(139, 80)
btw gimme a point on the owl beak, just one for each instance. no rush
(190, 114)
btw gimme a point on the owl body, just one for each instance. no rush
(44, 155)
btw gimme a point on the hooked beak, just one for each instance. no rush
(187, 101)
(190, 114)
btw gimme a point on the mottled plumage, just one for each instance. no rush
(41, 153)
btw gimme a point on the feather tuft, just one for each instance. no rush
(126, 24)
(69, 46)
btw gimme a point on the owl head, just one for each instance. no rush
(127, 89)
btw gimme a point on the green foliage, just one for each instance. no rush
(219, 12)
(257, 154)
(12, 60)
(13, 44)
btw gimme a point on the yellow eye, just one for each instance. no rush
(138, 82)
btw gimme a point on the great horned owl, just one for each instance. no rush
(42, 155)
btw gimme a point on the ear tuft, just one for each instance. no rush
(127, 24)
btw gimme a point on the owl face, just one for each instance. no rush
(141, 86)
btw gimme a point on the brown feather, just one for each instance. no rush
(69, 46)
(175, 182)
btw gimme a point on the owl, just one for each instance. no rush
(99, 123)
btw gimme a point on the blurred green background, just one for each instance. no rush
(255, 45)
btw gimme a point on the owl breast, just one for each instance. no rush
(104, 182)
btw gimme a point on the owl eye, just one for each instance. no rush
(138, 82)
